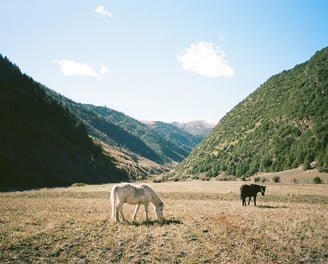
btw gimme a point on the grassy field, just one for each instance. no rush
(205, 223)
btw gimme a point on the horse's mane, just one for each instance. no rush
(157, 200)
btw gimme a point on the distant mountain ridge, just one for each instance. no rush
(117, 129)
(198, 128)
(281, 125)
(179, 136)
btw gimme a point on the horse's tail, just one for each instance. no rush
(113, 200)
(242, 190)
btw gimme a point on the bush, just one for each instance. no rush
(78, 184)
(276, 178)
(226, 178)
(260, 179)
(317, 180)
(257, 179)
(176, 179)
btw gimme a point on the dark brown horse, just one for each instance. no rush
(249, 191)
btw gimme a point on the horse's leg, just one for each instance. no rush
(117, 214)
(255, 200)
(243, 201)
(135, 212)
(249, 199)
(120, 211)
(146, 210)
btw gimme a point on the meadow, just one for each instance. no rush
(204, 223)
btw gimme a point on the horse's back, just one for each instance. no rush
(145, 187)
(132, 194)
(247, 190)
(122, 185)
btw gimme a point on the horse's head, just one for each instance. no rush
(159, 210)
(262, 189)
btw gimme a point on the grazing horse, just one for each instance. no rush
(249, 191)
(134, 194)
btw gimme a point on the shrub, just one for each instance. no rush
(78, 184)
(257, 179)
(317, 180)
(226, 178)
(195, 177)
(276, 178)
(176, 179)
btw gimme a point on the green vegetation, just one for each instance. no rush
(282, 125)
(162, 143)
(276, 179)
(45, 139)
(41, 142)
(178, 135)
(317, 180)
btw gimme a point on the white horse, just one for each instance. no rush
(134, 194)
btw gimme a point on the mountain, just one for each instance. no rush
(121, 148)
(162, 149)
(198, 128)
(121, 131)
(179, 136)
(281, 125)
(42, 144)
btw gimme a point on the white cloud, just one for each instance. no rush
(101, 10)
(205, 59)
(72, 68)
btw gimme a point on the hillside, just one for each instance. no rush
(133, 150)
(41, 142)
(280, 126)
(178, 135)
(132, 136)
(161, 149)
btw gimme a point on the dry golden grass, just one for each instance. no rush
(205, 223)
(297, 175)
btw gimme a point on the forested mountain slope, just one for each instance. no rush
(282, 125)
(180, 137)
(41, 142)
(45, 136)
(119, 130)
(161, 149)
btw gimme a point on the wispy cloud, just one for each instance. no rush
(73, 68)
(204, 58)
(101, 10)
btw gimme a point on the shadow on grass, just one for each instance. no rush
(157, 222)
(271, 207)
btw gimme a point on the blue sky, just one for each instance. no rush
(161, 60)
